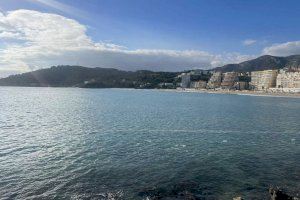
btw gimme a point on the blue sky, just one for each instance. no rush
(229, 30)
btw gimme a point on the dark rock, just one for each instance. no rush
(238, 198)
(277, 194)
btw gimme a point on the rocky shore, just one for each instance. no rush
(278, 194)
(190, 191)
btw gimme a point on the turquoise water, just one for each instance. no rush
(70, 143)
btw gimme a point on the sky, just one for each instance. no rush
(159, 35)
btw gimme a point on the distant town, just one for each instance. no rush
(283, 80)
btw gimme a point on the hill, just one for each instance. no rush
(78, 76)
(263, 63)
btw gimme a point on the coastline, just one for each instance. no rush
(190, 90)
(236, 92)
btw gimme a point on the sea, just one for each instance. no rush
(72, 143)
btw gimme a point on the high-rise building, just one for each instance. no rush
(288, 79)
(263, 80)
(185, 80)
(215, 80)
(229, 78)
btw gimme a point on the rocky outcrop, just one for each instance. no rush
(190, 190)
(277, 194)
(238, 198)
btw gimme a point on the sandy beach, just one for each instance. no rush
(237, 92)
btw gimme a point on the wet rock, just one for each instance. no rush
(277, 194)
(238, 198)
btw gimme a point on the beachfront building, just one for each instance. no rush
(229, 79)
(263, 80)
(243, 81)
(288, 79)
(215, 80)
(198, 84)
(194, 79)
(241, 85)
(185, 80)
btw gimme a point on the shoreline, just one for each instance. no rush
(191, 90)
(236, 92)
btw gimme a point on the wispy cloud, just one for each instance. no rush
(249, 42)
(61, 7)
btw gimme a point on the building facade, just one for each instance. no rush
(198, 84)
(263, 80)
(185, 80)
(241, 85)
(215, 81)
(229, 79)
(288, 79)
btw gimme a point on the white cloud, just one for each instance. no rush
(283, 49)
(249, 42)
(48, 39)
(7, 35)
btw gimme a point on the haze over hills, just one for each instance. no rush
(78, 76)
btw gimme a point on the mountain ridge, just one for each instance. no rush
(264, 62)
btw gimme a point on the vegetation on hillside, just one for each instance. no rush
(77, 76)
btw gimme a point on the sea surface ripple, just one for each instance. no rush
(71, 143)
